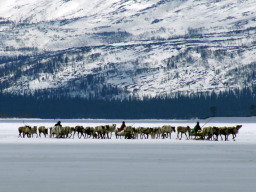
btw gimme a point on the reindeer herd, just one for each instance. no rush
(129, 132)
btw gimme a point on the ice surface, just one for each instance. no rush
(47, 164)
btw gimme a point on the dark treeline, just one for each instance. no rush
(229, 103)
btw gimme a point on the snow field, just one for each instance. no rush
(9, 130)
(46, 164)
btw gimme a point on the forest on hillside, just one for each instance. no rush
(237, 103)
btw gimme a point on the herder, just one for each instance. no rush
(196, 128)
(122, 126)
(58, 124)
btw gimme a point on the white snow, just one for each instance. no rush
(47, 164)
(155, 31)
(135, 17)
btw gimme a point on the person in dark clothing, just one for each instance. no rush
(58, 124)
(122, 126)
(196, 129)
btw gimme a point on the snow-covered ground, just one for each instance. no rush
(9, 129)
(47, 164)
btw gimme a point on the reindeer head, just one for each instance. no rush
(238, 127)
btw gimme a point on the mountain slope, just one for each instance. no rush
(116, 49)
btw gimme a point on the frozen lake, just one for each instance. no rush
(47, 164)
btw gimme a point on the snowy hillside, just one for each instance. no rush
(121, 48)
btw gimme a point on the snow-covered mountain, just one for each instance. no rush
(121, 48)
